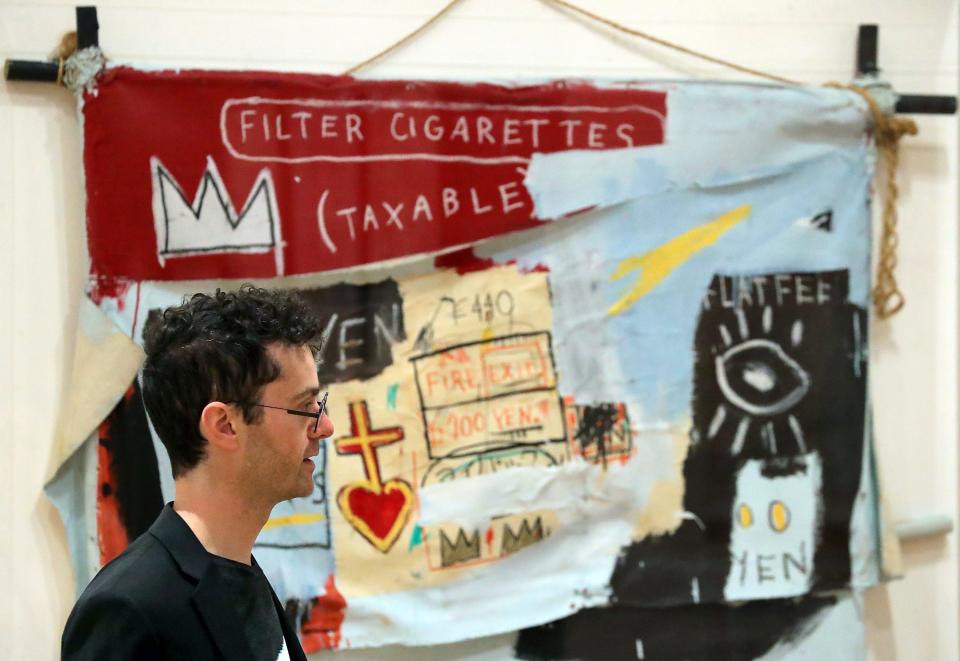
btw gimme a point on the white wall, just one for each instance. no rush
(42, 254)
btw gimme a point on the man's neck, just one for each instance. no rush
(226, 524)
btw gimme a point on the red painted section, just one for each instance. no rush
(361, 171)
(464, 261)
(321, 630)
(379, 509)
(105, 286)
(537, 268)
(111, 534)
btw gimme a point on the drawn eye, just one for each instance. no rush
(760, 378)
(779, 516)
(744, 515)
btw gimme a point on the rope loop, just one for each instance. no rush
(888, 299)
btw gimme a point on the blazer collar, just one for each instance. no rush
(209, 596)
(187, 551)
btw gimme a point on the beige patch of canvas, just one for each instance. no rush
(664, 510)
(105, 361)
(472, 390)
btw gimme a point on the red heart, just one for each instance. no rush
(377, 514)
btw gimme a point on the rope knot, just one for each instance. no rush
(887, 132)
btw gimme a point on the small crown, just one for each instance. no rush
(461, 550)
(513, 542)
(211, 224)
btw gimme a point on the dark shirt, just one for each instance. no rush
(250, 596)
(166, 597)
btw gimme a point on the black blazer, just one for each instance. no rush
(161, 599)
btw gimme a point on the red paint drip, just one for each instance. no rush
(111, 534)
(105, 286)
(321, 630)
(536, 268)
(464, 261)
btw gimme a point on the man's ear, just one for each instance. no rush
(218, 425)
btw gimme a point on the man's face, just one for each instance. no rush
(281, 447)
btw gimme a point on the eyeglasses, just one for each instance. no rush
(305, 414)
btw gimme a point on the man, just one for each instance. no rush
(230, 384)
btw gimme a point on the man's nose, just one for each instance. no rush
(323, 430)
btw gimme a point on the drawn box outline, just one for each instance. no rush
(549, 361)
(546, 358)
(542, 375)
(510, 438)
(461, 106)
(483, 559)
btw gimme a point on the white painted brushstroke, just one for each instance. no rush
(740, 436)
(771, 437)
(725, 335)
(797, 433)
(717, 421)
(796, 333)
(804, 123)
(742, 323)
(640, 652)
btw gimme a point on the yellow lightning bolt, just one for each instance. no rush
(660, 262)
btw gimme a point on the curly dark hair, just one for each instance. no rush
(213, 348)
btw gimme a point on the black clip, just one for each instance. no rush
(88, 34)
(868, 67)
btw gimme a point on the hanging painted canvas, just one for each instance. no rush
(584, 342)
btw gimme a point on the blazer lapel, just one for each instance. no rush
(209, 597)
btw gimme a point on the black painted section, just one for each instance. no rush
(832, 353)
(133, 464)
(702, 632)
(361, 323)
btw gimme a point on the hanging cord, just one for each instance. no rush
(397, 44)
(887, 297)
(887, 131)
(669, 44)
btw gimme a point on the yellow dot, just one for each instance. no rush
(745, 515)
(779, 516)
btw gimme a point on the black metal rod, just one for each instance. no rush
(45, 72)
(88, 28)
(926, 104)
(867, 42)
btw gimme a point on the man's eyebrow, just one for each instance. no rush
(312, 390)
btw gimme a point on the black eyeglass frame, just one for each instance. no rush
(306, 414)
